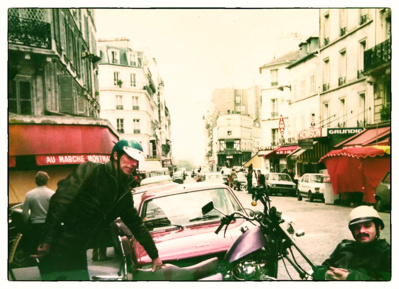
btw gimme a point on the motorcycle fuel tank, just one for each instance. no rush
(249, 242)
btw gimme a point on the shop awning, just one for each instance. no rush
(368, 137)
(281, 152)
(296, 153)
(60, 144)
(357, 169)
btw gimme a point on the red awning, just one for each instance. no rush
(367, 137)
(357, 152)
(281, 152)
(357, 169)
(60, 144)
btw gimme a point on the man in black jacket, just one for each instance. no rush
(366, 258)
(88, 200)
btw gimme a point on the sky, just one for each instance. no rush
(200, 50)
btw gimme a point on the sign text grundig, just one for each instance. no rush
(70, 159)
(313, 132)
(348, 130)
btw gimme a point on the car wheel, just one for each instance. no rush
(310, 197)
(379, 206)
(298, 195)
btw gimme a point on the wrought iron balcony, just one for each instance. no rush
(378, 55)
(29, 32)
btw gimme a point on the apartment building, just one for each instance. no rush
(131, 97)
(53, 105)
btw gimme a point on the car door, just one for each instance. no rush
(303, 186)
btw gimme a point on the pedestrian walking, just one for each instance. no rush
(88, 200)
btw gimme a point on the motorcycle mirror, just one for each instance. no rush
(207, 208)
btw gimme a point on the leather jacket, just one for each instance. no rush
(371, 261)
(87, 201)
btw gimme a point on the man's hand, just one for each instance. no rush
(337, 274)
(156, 264)
(42, 250)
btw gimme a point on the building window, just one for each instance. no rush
(274, 77)
(119, 101)
(364, 16)
(133, 79)
(342, 104)
(326, 75)
(312, 84)
(360, 65)
(237, 144)
(116, 77)
(132, 59)
(343, 21)
(135, 103)
(274, 107)
(119, 125)
(114, 57)
(326, 28)
(19, 97)
(81, 105)
(342, 68)
(274, 136)
(136, 126)
(326, 115)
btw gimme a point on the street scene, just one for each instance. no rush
(199, 144)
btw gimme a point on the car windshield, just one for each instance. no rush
(280, 177)
(213, 177)
(316, 179)
(186, 208)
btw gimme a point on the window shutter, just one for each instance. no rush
(67, 104)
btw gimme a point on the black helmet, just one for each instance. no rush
(130, 147)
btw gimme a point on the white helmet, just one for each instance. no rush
(364, 214)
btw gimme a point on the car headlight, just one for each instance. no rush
(273, 185)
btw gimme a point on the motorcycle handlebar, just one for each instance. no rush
(227, 220)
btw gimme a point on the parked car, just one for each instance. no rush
(280, 183)
(311, 186)
(178, 177)
(213, 178)
(383, 194)
(240, 183)
(183, 235)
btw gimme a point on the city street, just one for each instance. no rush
(324, 225)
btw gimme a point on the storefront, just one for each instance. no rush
(278, 158)
(56, 148)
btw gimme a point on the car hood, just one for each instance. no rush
(192, 241)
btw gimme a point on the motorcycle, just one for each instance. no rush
(255, 255)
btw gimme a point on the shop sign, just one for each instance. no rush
(346, 130)
(312, 132)
(70, 159)
(281, 126)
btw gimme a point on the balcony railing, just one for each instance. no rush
(378, 55)
(29, 32)
(119, 107)
(342, 31)
(274, 114)
(341, 81)
(326, 41)
(326, 86)
(274, 83)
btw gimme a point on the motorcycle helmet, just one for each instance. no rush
(365, 214)
(130, 147)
